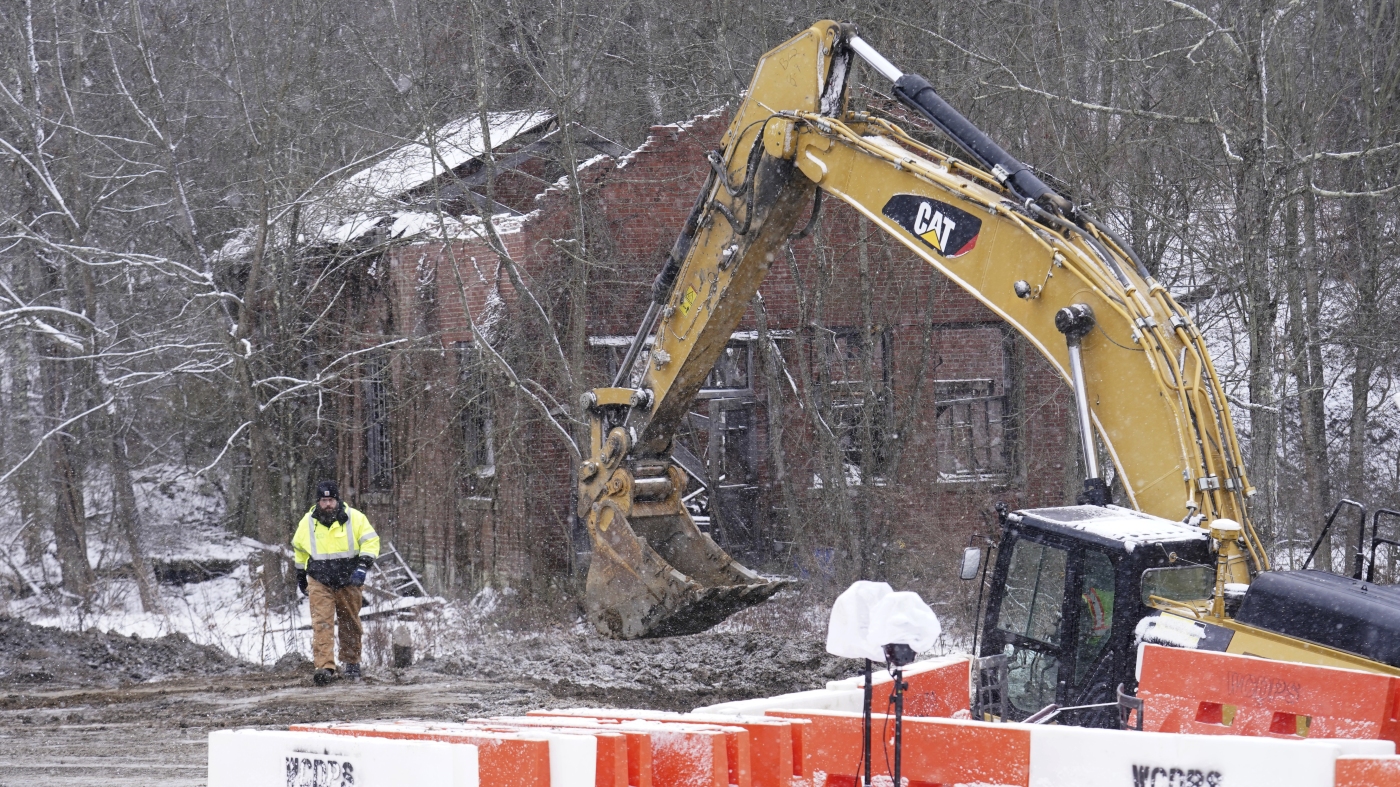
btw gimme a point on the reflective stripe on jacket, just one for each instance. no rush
(330, 553)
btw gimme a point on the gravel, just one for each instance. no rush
(676, 673)
(103, 709)
(35, 656)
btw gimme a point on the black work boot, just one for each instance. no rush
(352, 671)
(323, 677)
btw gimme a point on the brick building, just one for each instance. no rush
(865, 419)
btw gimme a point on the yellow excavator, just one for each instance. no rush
(1072, 584)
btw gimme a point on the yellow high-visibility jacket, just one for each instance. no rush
(331, 553)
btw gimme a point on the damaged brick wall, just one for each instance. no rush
(515, 527)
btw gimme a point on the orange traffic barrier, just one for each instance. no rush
(936, 688)
(803, 774)
(936, 751)
(1368, 772)
(504, 758)
(639, 764)
(1211, 693)
(691, 755)
(770, 762)
(628, 757)
(612, 759)
(689, 758)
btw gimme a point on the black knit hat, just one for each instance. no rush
(327, 489)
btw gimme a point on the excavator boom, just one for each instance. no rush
(1145, 386)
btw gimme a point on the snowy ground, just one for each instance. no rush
(117, 696)
(104, 709)
(180, 525)
(205, 593)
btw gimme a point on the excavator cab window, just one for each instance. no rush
(1178, 583)
(1095, 612)
(1030, 614)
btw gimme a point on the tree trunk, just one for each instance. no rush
(772, 367)
(70, 516)
(1365, 361)
(264, 510)
(1305, 310)
(20, 431)
(128, 521)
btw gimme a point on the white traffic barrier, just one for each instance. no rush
(816, 699)
(1064, 756)
(278, 758)
(573, 760)
(1360, 747)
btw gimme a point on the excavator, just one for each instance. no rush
(1074, 588)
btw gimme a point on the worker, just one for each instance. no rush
(334, 546)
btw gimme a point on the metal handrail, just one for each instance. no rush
(1376, 539)
(1360, 540)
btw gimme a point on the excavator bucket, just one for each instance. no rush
(659, 576)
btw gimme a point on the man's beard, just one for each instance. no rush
(327, 516)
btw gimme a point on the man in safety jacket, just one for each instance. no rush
(335, 546)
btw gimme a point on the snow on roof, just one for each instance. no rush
(362, 201)
(1118, 524)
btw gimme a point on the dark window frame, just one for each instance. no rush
(476, 422)
(844, 398)
(379, 453)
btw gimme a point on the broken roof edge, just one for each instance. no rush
(412, 226)
(653, 136)
(438, 151)
(360, 202)
(457, 141)
(657, 135)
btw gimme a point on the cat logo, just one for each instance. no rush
(944, 228)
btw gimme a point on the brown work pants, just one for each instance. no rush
(330, 606)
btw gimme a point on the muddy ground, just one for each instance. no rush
(102, 709)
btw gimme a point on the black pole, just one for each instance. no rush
(897, 673)
(865, 747)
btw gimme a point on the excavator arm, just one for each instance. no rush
(1146, 390)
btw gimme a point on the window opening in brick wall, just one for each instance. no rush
(378, 456)
(717, 443)
(478, 443)
(971, 431)
(732, 371)
(854, 393)
(731, 376)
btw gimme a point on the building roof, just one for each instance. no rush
(364, 200)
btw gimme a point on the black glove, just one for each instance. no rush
(301, 581)
(358, 578)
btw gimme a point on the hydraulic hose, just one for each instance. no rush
(918, 94)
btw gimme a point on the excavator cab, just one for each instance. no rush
(1069, 587)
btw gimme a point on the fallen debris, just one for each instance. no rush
(37, 656)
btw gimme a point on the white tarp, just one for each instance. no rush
(847, 634)
(903, 618)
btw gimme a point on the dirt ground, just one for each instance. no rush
(101, 709)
